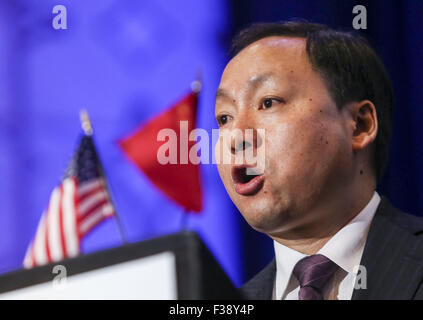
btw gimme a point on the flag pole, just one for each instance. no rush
(88, 130)
(184, 220)
(196, 87)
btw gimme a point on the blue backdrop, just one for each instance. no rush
(125, 61)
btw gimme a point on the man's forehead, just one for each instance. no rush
(272, 46)
(278, 42)
(271, 56)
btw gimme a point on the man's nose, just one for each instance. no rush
(243, 137)
(241, 141)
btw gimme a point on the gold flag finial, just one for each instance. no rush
(197, 84)
(85, 122)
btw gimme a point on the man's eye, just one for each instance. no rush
(267, 103)
(223, 119)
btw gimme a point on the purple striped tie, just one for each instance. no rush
(313, 273)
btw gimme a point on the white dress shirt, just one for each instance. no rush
(345, 248)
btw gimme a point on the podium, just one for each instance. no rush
(177, 266)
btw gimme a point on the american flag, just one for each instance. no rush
(76, 206)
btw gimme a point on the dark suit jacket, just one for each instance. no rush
(392, 256)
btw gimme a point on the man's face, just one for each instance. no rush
(271, 85)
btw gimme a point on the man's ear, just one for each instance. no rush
(366, 126)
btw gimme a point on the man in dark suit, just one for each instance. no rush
(319, 103)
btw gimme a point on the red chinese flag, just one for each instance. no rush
(180, 181)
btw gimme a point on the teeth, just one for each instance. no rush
(244, 175)
(251, 172)
(247, 175)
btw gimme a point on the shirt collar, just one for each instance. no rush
(286, 259)
(344, 248)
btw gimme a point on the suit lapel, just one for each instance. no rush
(260, 287)
(392, 258)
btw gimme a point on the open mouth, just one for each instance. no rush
(247, 180)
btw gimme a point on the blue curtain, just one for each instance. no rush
(125, 61)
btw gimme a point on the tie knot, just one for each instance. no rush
(314, 271)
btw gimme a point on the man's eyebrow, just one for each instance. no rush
(252, 83)
(222, 93)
